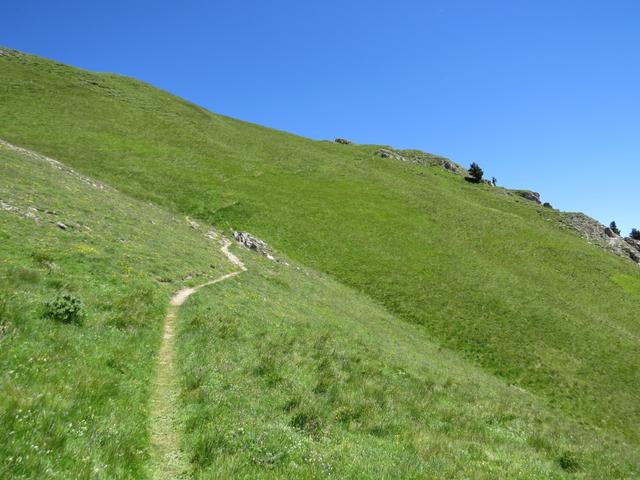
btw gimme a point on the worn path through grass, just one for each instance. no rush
(168, 460)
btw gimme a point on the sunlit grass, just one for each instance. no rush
(286, 374)
(74, 397)
(487, 275)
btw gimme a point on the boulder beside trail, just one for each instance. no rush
(254, 243)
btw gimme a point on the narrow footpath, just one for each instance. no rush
(168, 461)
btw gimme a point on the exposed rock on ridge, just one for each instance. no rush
(529, 195)
(602, 236)
(421, 158)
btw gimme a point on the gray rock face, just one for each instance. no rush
(30, 213)
(254, 243)
(343, 141)
(602, 236)
(447, 165)
(635, 244)
(420, 158)
(529, 195)
(386, 153)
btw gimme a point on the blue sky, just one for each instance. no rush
(542, 94)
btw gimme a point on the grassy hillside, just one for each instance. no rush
(283, 372)
(73, 398)
(488, 275)
(287, 374)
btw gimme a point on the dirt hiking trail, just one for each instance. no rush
(168, 462)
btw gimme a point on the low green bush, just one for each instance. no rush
(65, 308)
(568, 462)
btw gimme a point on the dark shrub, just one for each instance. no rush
(614, 228)
(547, 204)
(635, 234)
(475, 172)
(568, 462)
(306, 422)
(65, 308)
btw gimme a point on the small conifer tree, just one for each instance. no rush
(614, 228)
(475, 172)
(635, 234)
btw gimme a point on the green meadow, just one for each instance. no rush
(426, 327)
(74, 396)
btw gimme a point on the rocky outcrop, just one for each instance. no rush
(343, 141)
(598, 234)
(529, 195)
(254, 243)
(421, 158)
(386, 153)
(451, 166)
(30, 213)
(633, 242)
(41, 216)
(634, 253)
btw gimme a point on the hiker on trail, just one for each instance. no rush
(494, 180)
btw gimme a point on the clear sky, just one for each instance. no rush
(542, 94)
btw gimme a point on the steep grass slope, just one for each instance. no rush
(489, 275)
(287, 374)
(282, 371)
(74, 398)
